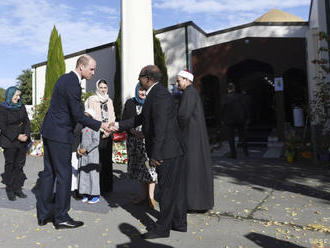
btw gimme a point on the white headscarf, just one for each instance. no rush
(102, 98)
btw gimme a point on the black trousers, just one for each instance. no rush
(13, 176)
(172, 197)
(57, 164)
(106, 167)
(231, 129)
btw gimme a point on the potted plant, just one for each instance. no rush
(292, 145)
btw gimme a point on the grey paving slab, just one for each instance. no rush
(258, 203)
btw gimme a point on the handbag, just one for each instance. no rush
(119, 136)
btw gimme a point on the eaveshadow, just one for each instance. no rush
(276, 174)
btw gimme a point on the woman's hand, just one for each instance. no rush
(81, 151)
(105, 135)
(22, 137)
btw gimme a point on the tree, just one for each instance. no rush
(320, 112)
(55, 62)
(55, 68)
(2, 94)
(25, 86)
(159, 58)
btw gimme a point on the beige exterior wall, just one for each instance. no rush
(258, 31)
(173, 45)
(106, 68)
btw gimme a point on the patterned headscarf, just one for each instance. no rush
(10, 92)
(137, 98)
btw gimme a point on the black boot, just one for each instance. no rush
(11, 195)
(75, 194)
(20, 194)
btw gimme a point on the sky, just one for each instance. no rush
(25, 25)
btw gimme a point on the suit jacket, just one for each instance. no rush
(12, 123)
(65, 111)
(234, 109)
(159, 125)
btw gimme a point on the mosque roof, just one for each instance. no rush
(276, 15)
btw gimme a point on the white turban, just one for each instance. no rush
(186, 74)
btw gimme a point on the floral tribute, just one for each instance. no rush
(119, 152)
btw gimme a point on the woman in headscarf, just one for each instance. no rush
(14, 138)
(101, 103)
(137, 167)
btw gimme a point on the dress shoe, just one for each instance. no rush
(45, 221)
(179, 228)
(75, 194)
(232, 156)
(11, 195)
(154, 235)
(199, 211)
(20, 194)
(139, 201)
(69, 224)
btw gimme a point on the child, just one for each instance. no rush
(89, 180)
(75, 161)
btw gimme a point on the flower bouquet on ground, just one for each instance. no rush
(37, 148)
(119, 152)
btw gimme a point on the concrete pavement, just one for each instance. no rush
(258, 203)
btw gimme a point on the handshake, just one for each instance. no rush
(109, 127)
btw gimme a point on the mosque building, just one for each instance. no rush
(275, 46)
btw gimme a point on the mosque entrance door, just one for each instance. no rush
(253, 78)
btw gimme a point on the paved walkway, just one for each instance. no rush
(258, 203)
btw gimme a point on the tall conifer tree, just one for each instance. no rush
(55, 62)
(159, 59)
(25, 85)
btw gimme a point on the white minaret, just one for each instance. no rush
(137, 42)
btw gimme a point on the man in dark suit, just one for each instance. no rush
(165, 151)
(57, 132)
(235, 114)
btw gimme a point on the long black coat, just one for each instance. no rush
(12, 123)
(199, 177)
(159, 125)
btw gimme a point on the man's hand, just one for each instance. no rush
(22, 137)
(154, 162)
